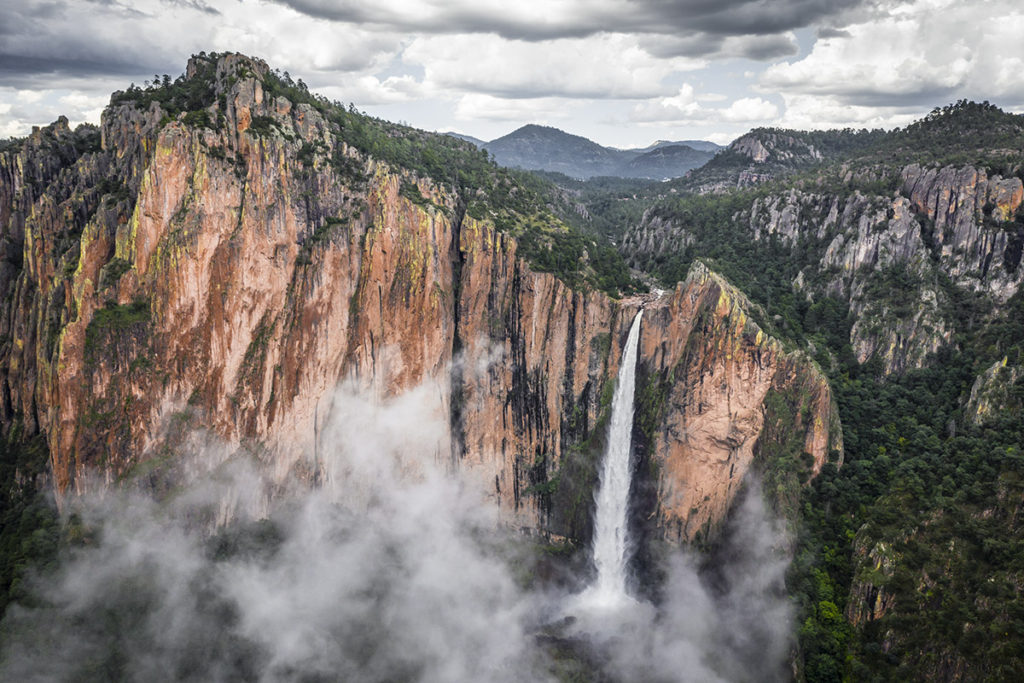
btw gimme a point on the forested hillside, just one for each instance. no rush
(897, 265)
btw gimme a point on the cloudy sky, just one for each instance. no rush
(622, 72)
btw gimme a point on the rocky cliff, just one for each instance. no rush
(872, 254)
(766, 154)
(972, 218)
(998, 392)
(894, 246)
(718, 394)
(224, 265)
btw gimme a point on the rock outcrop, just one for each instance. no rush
(763, 146)
(757, 157)
(997, 392)
(971, 217)
(226, 268)
(876, 259)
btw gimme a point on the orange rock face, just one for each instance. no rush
(711, 371)
(249, 277)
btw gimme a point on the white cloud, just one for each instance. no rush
(474, 107)
(685, 108)
(749, 110)
(678, 107)
(603, 66)
(370, 90)
(923, 54)
(811, 112)
(22, 109)
(711, 97)
(28, 96)
(720, 138)
(316, 49)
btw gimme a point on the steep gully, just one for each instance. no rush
(232, 284)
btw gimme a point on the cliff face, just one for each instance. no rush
(711, 376)
(875, 257)
(971, 217)
(228, 274)
(760, 148)
(889, 256)
(998, 392)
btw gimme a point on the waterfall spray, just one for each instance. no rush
(611, 542)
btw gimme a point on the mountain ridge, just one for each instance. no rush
(545, 148)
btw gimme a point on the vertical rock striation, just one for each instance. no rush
(226, 268)
(710, 372)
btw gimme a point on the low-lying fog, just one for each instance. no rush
(393, 570)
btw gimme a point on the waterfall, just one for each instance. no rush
(611, 545)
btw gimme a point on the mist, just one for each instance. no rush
(393, 568)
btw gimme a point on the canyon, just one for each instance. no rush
(280, 349)
(223, 269)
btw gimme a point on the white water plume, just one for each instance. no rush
(611, 542)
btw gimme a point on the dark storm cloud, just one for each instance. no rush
(75, 68)
(832, 33)
(40, 43)
(62, 39)
(698, 45)
(707, 19)
(13, 66)
(460, 20)
(745, 17)
(923, 96)
(763, 48)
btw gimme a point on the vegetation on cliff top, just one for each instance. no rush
(515, 201)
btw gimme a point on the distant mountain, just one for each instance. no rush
(669, 161)
(543, 148)
(699, 145)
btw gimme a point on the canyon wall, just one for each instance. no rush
(892, 257)
(225, 273)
